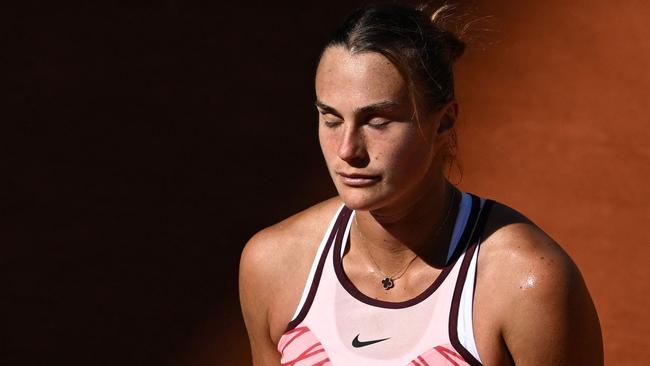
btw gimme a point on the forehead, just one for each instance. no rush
(345, 79)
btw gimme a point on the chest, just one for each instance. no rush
(396, 289)
(355, 328)
(485, 313)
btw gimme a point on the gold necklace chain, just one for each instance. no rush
(389, 281)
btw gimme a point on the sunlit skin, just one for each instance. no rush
(367, 126)
(368, 131)
(531, 306)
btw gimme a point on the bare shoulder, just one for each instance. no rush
(522, 255)
(270, 249)
(535, 294)
(275, 263)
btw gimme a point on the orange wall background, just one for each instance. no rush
(556, 123)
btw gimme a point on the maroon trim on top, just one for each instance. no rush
(460, 283)
(347, 284)
(342, 218)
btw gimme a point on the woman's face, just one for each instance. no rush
(377, 154)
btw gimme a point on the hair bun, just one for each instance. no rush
(443, 18)
(456, 46)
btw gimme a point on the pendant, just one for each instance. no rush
(388, 283)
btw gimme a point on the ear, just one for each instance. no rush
(448, 116)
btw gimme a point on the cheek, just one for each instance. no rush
(322, 140)
(328, 145)
(408, 157)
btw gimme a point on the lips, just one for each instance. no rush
(358, 180)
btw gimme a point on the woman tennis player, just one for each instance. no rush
(402, 268)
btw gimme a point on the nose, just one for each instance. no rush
(352, 148)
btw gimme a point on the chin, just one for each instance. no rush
(362, 199)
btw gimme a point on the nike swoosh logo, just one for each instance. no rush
(356, 343)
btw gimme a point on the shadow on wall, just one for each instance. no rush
(152, 141)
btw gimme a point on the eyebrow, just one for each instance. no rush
(369, 109)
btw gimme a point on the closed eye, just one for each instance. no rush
(378, 123)
(330, 121)
(331, 124)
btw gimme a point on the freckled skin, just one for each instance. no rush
(405, 155)
(531, 305)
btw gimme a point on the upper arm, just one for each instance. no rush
(273, 268)
(551, 319)
(255, 281)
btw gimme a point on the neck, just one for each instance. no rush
(420, 227)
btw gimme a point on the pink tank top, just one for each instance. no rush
(336, 324)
